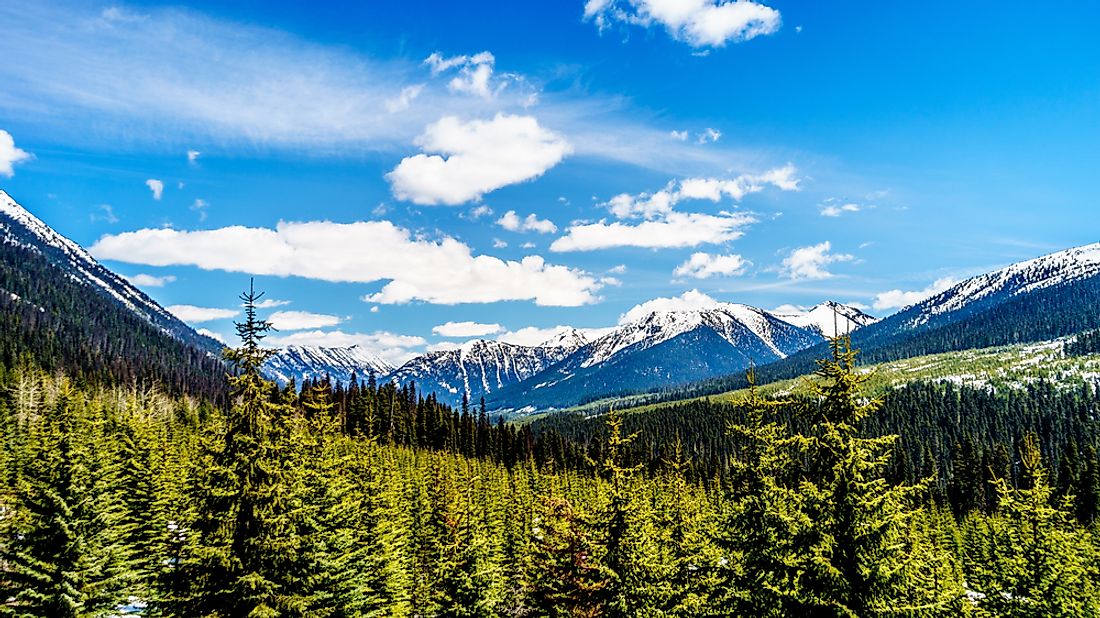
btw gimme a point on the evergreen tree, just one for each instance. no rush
(1030, 558)
(62, 558)
(246, 556)
(861, 556)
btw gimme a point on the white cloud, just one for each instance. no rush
(835, 210)
(302, 320)
(443, 271)
(10, 155)
(150, 281)
(810, 262)
(679, 136)
(156, 186)
(477, 212)
(403, 100)
(475, 158)
(699, 23)
(193, 314)
(394, 348)
(215, 336)
(499, 244)
(106, 213)
(269, 303)
(193, 156)
(200, 205)
(660, 203)
(691, 300)
(675, 230)
(474, 75)
(895, 299)
(617, 270)
(183, 79)
(513, 223)
(708, 135)
(704, 265)
(466, 329)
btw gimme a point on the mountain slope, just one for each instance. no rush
(300, 363)
(664, 348)
(61, 309)
(480, 368)
(1040, 299)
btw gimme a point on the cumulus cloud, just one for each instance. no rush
(699, 23)
(474, 158)
(215, 336)
(896, 299)
(194, 315)
(810, 262)
(659, 203)
(150, 281)
(466, 329)
(513, 223)
(394, 348)
(705, 265)
(691, 300)
(675, 230)
(443, 272)
(301, 320)
(10, 155)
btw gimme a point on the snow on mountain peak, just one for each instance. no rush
(570, 339)
(1020, 278)
(829, 318)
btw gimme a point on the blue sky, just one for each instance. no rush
(774, 154)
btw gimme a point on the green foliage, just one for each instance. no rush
(369, 500)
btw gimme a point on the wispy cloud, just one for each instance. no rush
(181, 78)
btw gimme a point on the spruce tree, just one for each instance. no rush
(861, 556)
(1030, 558)
(61, 558)
(246, 556)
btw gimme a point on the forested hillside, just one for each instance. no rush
(56, 322)
(374, 501)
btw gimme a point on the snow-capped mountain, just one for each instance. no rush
(1044, 272)
(829, 318)
(314, 363)
(663, 348)
(19, 228)
(480, 367)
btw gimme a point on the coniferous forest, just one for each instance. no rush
(372, 500)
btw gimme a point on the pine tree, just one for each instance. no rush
(1030, 558)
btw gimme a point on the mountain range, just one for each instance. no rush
(62, 309)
